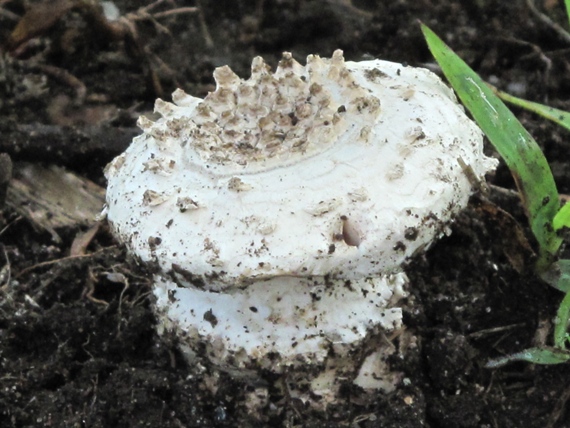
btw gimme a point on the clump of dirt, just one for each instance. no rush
(78, 345)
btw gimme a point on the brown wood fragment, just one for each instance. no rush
(5, 176)
(83, 239)
(51, 198)
(38, 19)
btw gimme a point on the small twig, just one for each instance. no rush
(140, 298)
(288, 397)
(514, 194)
(488, 331)
(6, 271)
(548, 22)
(172, 356)
(17, 219)
(9, 15)
(120, 311)
(536, 50)
(148, 8)
(83, 345)
(95, 384)
(203, 26)
(178, 11)
(65, 77)
(5, 176)
(559, 408)
(91, 280)
(63, 259)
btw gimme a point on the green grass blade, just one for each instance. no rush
(567, 3)
(560, 117)
(562, 218)
(532, 355)
(519, 150)
(558, 275)
(561, 327)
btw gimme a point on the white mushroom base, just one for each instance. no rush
(314, 327)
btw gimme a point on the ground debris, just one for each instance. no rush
(51, 198)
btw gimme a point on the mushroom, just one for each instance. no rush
(280, 209)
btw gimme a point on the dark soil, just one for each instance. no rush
(78, 346)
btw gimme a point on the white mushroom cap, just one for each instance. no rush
(254, 181)
(286, 186)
